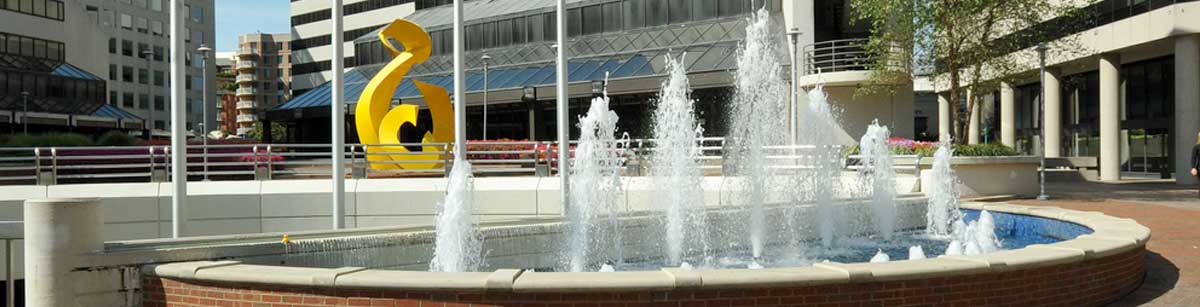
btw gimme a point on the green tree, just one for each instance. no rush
(277, 132)
(969, 45)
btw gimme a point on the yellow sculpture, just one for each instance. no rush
(378, 123)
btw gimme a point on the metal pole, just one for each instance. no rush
(178, 118)
(25, 112)
(460, 84)
(485, 58)
(146, 54)
(1041, 48)
(564, 135)
(204, 50)
(10, 289)
(337, 119)
(794, 34)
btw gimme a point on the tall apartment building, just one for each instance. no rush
(263, 76)
(226, 97)
(137, 60)
(49, 72)
(311, 28)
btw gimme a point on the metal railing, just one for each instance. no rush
(242, 91)
(245, 104)
(245, 118)
(248, 51)
(246, 78)
(66, 165)
(837, 55)
(246, 64)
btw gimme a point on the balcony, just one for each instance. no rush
(247, 64)
(245, 105)
(245, 91)
(246, 78)
(247, 118)
(248, 52)
(836, 63)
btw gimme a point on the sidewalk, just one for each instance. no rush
(1173, 214)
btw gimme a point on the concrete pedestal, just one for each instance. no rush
(1187, 105)
(1053, 119)
(57, 233)
(1110, 117)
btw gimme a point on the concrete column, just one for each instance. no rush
(1008, 115)
(1052, 120)
(1187, 105)
(974, 125)
(944, 122)
(1110, 117)
(57, 232)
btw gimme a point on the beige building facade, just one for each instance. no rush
(264, 76)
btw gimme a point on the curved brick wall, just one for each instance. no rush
(1090, 282)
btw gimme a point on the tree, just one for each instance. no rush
(970, 45)
(278, 131)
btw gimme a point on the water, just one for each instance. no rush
(943, 194)
(594, 236)
(819, 127)
(457, 245)
(877, 170)
(757, 120)
(676, 172)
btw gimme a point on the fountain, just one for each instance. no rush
(943, 195)
(676, 172)
(818, 130)
(757, 120)
(594, 237)
(457, 244)
(878, 172)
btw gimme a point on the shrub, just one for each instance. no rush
(49, 140)
(984, 150)
(116, 138)
(902, 146)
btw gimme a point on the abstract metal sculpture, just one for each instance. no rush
(378, 123)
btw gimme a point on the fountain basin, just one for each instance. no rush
(1091, 269)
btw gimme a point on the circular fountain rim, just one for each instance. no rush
(1111, 236)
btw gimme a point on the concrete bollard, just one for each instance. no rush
(57, 233)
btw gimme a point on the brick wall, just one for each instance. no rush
(1089, 283)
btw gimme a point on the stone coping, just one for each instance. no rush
(1111, 236)
(927, 162)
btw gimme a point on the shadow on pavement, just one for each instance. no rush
(1161, 277)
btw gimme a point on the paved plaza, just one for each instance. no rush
(1171, 211)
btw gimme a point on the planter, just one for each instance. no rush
(990, 176)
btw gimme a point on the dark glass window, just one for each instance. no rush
(656, 12)
(574, 22)
(612, 17)
(681, 11)
(730, 7)
(593, 20)
(704, 9)
(635, 14)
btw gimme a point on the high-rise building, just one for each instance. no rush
(136, 35)
(49, 71)
(311, 28)
(263, 76)
(226, 92)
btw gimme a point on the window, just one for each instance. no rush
(126, 48)
(126, 73)
(112, 72)
(112, 45)
(127, 100)
(156, 28)
(612, 17)
(107, 18)
(704, 9)
(198, 14)
(731, 7)
(156, 5)
(93, 13)
(143, 50)
(112, 97)
(533, 26)
(143, 101)
(159, 102)
(126, 22)
(574, 22)
(635, 14)
(158, 53)
(680, 11)
(143, 76)
(158, 78)
(143, 26)
(198, 36)
(656, 12)
(160, 125)
(593, 20)
(50, 9)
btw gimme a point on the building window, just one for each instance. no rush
(156, 28)
(159, 102)
(112, 72)
(143, 49)
(126, 22)
(126, 48)
(50, 9)
(160, 125)
(126, 73)
(112, 46)
(198, 14)
(156, 5)
(112, 97)
(158, 53)
(143, 76)
(127, 100)
(143, 101)
(158, 78)
(143, 25)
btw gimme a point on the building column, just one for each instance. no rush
(1052, 120)
(57, 233)
(974, 125)
(944, 122)
(1110, 117)
(1187, 104)
(1008, 115)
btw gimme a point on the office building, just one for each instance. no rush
(263, 76)
(311, 28)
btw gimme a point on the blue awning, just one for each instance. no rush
(112, 111)
(68, 70)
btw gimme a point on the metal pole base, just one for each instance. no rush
(1043, 197)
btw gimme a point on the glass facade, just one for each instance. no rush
(51, 9)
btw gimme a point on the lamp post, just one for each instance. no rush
(794, 35)
(204, 50)
(1041, 49)
(486, 59)
(146, 54)
(25, 112)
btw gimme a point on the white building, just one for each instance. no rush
(311, 28)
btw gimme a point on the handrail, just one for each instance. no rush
(837, 56)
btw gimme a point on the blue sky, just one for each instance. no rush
(237, 17)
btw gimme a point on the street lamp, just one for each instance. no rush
(25, 112)
(794, 35)
(204, 50)
(146, 54)
(1041, 49)
(486, 59)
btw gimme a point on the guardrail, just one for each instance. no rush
(837, 56)
(67, 165)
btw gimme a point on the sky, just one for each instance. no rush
(237, 17)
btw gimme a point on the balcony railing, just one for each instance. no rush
(246, 78)
(246, 64)
(248, 51)
(837, 56)
(245, 104)
(247, 118)
(245, 91)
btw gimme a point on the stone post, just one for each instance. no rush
(1187, 105)
(1052, 120)
(1008, 115)
(57, 233)
(944, 121)
(1110, 117)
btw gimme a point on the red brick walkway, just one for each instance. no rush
(1173, 257)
